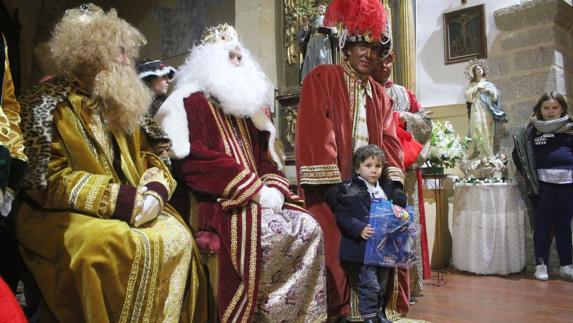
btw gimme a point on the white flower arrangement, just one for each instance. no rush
(446, 147)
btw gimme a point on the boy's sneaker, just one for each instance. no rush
(541, 272)
(566, 271)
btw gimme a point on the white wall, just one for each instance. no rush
(437, 83)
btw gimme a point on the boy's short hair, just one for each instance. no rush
(366, 152)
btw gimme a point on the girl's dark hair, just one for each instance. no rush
(551, 95)
(366, 152)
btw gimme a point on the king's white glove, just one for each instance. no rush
(272, 198)
(149, 211)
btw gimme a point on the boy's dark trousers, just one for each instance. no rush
(553, 211)
(371, 288)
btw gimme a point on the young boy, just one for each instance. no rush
(350, 202)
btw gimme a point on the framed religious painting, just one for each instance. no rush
(464, 35)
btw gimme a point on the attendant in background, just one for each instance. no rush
(544, 155)
(157, 76)
(417, 123)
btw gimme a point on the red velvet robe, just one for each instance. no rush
(324, 155)
(226, 168)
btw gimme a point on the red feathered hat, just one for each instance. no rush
(363, 20)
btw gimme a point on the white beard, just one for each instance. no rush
(241, 90)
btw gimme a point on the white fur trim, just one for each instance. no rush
(263, 123)
(161, 72)
(172, 118)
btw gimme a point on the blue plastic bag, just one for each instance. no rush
(393, 242)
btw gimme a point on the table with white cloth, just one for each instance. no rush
(488, 228)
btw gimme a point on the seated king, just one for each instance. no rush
(271, 257)
(94, 225)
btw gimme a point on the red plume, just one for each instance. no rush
(358, 16)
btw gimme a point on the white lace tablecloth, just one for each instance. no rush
(489, 228)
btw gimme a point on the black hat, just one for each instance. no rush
(155, 68)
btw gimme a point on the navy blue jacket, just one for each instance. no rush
(350, 203)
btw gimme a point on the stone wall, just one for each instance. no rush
(532, 54)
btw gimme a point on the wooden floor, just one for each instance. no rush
(514, 298)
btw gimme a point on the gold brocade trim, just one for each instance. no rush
(243, 241)
(220, 127)
(61, 187)
(252, 262)
(100, 132)
(236, 138)
(234, 182)
(154, 174)
(109, 199)
(276, 183)
(235, 135)
(247, 147)
(92, 195)
(243, 197)
(76, 190)
(126, 309)
(394, 174)
(232, 137)
(137, 204)
(354, 315)
(391, 311)
(234, 239)
(82, 131)
(275, 177)
(320, 174)
(155, 265)
(233, 303)
(144, 280)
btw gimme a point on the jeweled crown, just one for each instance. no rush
(220, 33)
(469, 69)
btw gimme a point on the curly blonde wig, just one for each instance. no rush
(87, 40)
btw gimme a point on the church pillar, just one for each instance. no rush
(406, 62)
(255, 24)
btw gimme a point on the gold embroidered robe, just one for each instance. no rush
(89, 263)
(13, 161)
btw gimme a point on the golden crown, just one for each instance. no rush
(220, 33)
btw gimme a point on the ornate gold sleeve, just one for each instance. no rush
(158, 172)
(11, 113)
(282, 184)
(419, 125)
(240, 190)
(319, 174)
(109, 200)
(76, 190)
(394, 174)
